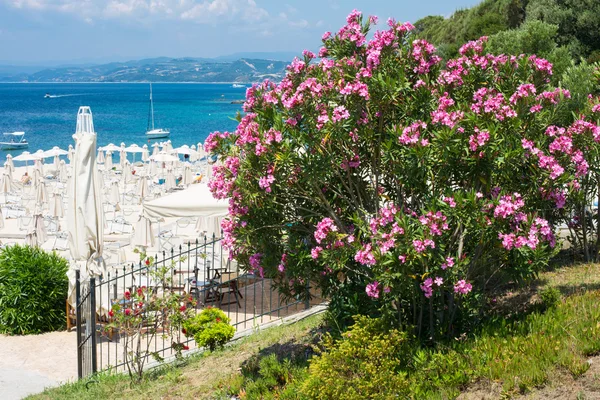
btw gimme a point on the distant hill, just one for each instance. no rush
(162, 69)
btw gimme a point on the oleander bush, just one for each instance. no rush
(33, 290)
(403, 186)
(210, 328)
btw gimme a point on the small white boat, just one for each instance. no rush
(237, 85)
(14, 141)
(152, 132)
(47, 96)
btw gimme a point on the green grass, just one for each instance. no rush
(526, 345)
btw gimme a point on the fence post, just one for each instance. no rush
(92, 318)
(78, 324)
(307, 295)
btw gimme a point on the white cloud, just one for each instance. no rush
(199, 11)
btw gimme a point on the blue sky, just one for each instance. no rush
(54, 31)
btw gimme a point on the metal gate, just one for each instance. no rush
(85, 311)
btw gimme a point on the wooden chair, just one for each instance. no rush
(71, 317)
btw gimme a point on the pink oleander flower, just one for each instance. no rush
(315, 252)
(324, 227)
(438, 281)
(427, 287)
(365, 256)
(462, 287)
(449, 263)
(372, 290)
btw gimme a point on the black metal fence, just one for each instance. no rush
(201, 269)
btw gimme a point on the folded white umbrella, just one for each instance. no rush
(122, 154)
(9, 170)
(1, 219)
(142, 188)
(39, 166)
(144, 234)
(145, 153)
(36, 235)
(56, 163)
(170, 180)
(36, 177)
(100, 157)
(6, 185)
(126, 172)
(9, 160)
(114, 197)
(57, 209)
(153, 169)
(168, 147)
(41, 194)
(62, 171)
(108, 164)
(188, 177)
(100, 179)
(155, 149)
(196, 156)
(70, 153)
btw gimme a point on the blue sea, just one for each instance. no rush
(120, 110)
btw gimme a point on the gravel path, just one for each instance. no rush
(30, 363)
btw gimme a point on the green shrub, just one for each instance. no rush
(33, 290)
(550, 297)
(365, 364)
(210, 328)
(272, 378)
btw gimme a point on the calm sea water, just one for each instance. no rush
(120, 110)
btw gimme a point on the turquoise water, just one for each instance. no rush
(120, 110)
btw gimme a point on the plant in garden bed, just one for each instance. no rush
(33, 290)
(144, 315)
(398, 185)
(210, 328)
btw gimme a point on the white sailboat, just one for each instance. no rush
(152, 132)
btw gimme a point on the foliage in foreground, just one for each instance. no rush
(33, 290)
(402, 186)
(211, 328)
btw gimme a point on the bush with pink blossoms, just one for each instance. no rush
(397, 184)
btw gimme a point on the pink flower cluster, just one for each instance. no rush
(442, 116)
(411, 135)
(421, 245)
(479, 139)
(462, 287)
(508, 205)
(352, 31)
(423, 54)
(490, 101)
(372, 290)
(435, 222)
(324, 228)
(365, 255)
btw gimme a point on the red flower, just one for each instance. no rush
(141, 304)
(185, 347)
(111, 313)
(147, 261)
(218, 319)
(140, 291)
(127, 295)
(127, 311)
(184, 331)
(182, 308)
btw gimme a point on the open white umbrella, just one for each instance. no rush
(142, 188)
(53, 152)
(144, 234)
(85, 214)
(57, 209)
(163, 157)
(70, 153)
(110, 147)
(26, 156)
(134, 149)
(9, 160)
(108, 164)
(188, 177)
(100, 157)
(145, 153)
